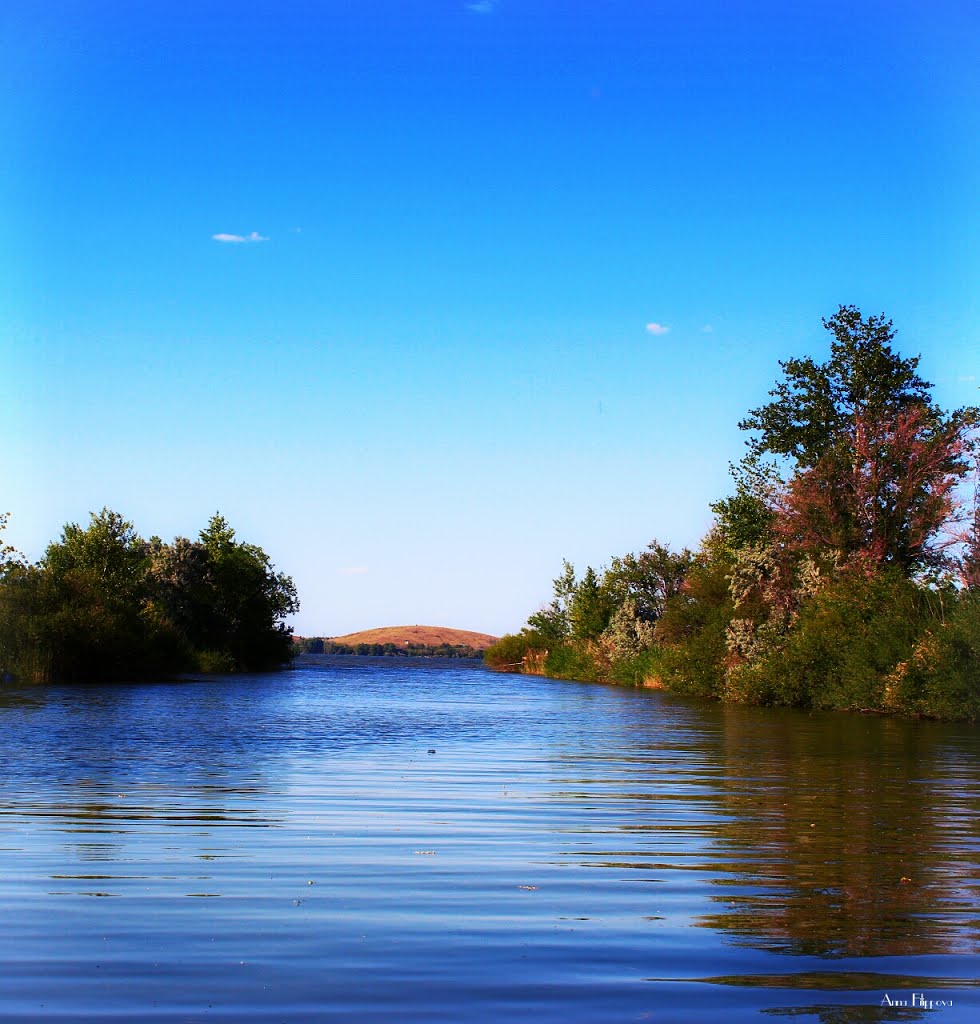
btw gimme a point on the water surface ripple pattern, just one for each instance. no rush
(366, 840)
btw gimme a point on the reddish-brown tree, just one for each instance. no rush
(882, 494)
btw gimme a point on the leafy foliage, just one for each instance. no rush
(746, 517)
(843, 645)
(649, 579)
(850, 584)
(510, 652)
(105, 604)
(941, 678)
(553, 623)
(590, 607)
(815, 403)
(885, 498)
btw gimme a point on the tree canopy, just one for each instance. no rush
(816, 403)
(875, 462)
(103, 603)
(843, 572)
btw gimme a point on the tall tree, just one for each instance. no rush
(248, 600)
(876, 462)
(815, 405)
(888, 501)
(591, 607)
(650, 579)
(552, 623)
(90, 598)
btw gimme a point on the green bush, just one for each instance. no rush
(846, 642)
(695, 667)
(644, 668)
(214, 662)
(572, 661)
(691, 634)
(941, 679)
(509, 652)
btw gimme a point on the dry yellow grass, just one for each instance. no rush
(431, 635)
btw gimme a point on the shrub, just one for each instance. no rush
(509, 652)
(572, 661)
(845, 643)
(941, 679)
(643, 668)
(691, 633)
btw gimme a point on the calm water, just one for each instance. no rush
(286, 848)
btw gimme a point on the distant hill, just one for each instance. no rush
(432, 636)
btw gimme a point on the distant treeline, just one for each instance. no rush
(105, 604)
(842, 573)
(318, 645)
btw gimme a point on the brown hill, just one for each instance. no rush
(431, 635)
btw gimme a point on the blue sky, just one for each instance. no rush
(508, 273)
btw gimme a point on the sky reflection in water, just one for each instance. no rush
(284, 848)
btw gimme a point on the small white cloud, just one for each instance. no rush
(707, 329)
(482, 6)
(253, 237)
(972, 376)
(353, 570)
(657, 329)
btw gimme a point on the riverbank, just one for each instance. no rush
(880, 655)
(843, 572)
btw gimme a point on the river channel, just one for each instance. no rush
(392, 840)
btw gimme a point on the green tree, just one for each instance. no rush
(814, 406)
(181, 589)
(591, 607)
(650, 579)
(90, 602)
(552, 624)
(246, 602)
(745, 518)
(876, 463)
(8, 553)
(15, 604)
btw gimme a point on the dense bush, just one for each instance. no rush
(941, 679)
(842, 647)
(510, 651)
(691, 633)
(642, 669)
(104, 604)
(573, 661)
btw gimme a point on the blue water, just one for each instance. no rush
(286, 848)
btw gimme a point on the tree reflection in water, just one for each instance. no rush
(849, 1014)
(852, 836)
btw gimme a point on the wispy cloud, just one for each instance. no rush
(707, 329)
(353, 570)
(253, 237)
(969, 377)
(482, 6)
(657, 329)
